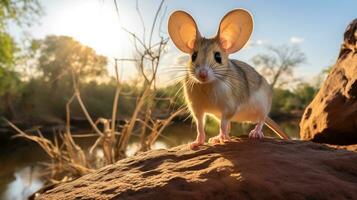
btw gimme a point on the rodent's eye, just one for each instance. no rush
(217, 57)
(194, 56)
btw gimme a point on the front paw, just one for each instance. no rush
(194, 145)
(221, 138)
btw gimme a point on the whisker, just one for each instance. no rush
(234, 76)
(230, 85)
(185, 68)
(175, 80)
(180, 77)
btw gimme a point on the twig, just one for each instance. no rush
(116, 97)
(154, 21)
(84, 109)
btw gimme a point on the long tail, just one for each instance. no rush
(276, 128)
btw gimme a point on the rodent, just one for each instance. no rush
(230, 90)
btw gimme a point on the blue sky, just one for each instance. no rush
(316, 26)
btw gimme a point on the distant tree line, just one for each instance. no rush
(41, 95)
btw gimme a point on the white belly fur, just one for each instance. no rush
(256, 109)
(215, 101)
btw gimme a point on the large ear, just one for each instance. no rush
(235, 30)
(183, 31)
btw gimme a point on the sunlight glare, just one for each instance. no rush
(93, 23)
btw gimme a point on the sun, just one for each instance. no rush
(93, 23)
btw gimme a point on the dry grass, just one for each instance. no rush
(68, 159)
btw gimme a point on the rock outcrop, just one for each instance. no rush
(332, 116)
(241, 169)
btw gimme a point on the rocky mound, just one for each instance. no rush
(332, 116)
(241, 169)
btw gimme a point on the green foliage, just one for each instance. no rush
(57, 58)
(22, 12)
(327, 70)
(305, 92)
(7, 49)
(8, 77)
(9, 81)
(282, 101)
(174, 90)
(60, 56)
(285, 102)
(39, 102)
(10, 85)
(44, 97)
(212, 126)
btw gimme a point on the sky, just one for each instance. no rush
(315, 26)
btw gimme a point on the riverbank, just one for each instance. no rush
(244, 168)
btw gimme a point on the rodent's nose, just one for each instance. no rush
(202, 74)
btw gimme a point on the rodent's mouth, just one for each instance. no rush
(200, 80)
(204, 81)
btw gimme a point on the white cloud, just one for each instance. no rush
(259, 42)
(253, 43)
(296, 40)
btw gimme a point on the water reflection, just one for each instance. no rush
(19, 172)
(25, 183)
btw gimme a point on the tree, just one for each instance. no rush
(305, 92)
(60, 63)
(22, 13)
(278, 65)
(60, 57)
(283, 102)
(9, 86)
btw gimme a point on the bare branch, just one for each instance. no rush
(116, 97)
(141, 19)
(154, 22)
(84, 109)
(279, 63)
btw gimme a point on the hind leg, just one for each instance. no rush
(257, 132)
(223, 133)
